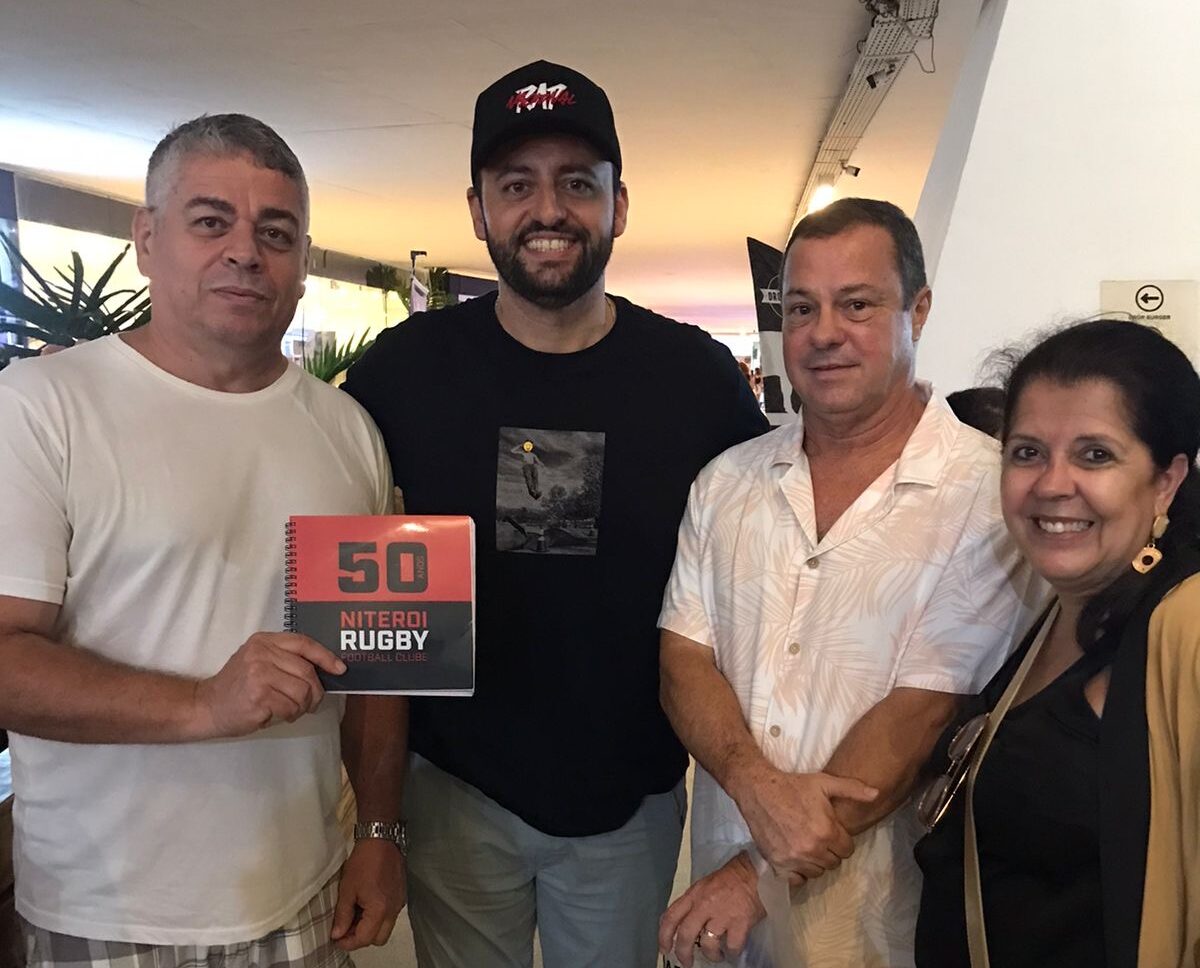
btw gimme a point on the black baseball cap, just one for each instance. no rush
(543, 98)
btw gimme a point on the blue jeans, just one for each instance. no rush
(480, 880)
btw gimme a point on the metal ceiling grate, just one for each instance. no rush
(895, 32)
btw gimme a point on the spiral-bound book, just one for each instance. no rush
(392, 596)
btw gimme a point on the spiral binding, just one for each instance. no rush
(289, 578)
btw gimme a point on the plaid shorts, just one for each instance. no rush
(301, 943)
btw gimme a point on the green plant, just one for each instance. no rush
(326, 362)
(388, 279)
(65, 313)
(439, 287)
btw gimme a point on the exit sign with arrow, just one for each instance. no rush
(1170, 305)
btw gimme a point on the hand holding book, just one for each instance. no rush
(272, 676)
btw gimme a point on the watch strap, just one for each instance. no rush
(380, 830)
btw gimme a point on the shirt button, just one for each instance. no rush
(775, 730)
(812, 562)
(794, 648)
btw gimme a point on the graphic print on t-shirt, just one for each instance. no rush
(548, 491)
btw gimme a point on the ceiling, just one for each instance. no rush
(720, 107)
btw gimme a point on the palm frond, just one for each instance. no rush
(326, 362)
(69, 311)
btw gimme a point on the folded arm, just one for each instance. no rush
(790, 815)
(886, 750)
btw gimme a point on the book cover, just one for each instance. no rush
(393, 596)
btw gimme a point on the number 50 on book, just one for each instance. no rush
(392, 596)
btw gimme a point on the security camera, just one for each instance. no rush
(880, 76)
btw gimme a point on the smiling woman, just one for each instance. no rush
(1075, 841)
(1080, 489)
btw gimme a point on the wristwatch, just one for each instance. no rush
(378, 830)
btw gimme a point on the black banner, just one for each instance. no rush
(764, 270)
(779, 402)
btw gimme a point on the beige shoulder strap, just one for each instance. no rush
(976, 933)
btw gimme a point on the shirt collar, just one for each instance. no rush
(923, 459)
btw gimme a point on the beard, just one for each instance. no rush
(561, 290)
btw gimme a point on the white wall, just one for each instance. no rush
(1083, 164)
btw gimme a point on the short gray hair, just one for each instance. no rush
(223, 135)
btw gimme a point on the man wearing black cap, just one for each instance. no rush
(553, 797)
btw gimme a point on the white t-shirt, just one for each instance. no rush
(917, 584)
(153, 510)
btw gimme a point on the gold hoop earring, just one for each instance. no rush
(1150, 556)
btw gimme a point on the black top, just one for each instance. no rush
(576, 469)
(1037, 820)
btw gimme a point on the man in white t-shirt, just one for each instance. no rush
(175, 761)
(839, 583)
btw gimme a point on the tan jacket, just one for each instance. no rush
(1170, 935)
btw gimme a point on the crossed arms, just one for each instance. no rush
(801, 822)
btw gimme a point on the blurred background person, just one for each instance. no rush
(979, 407)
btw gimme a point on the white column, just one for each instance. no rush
(1071, 155)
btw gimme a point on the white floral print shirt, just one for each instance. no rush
(917, 584)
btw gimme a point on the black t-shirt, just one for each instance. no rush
(575, 468)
